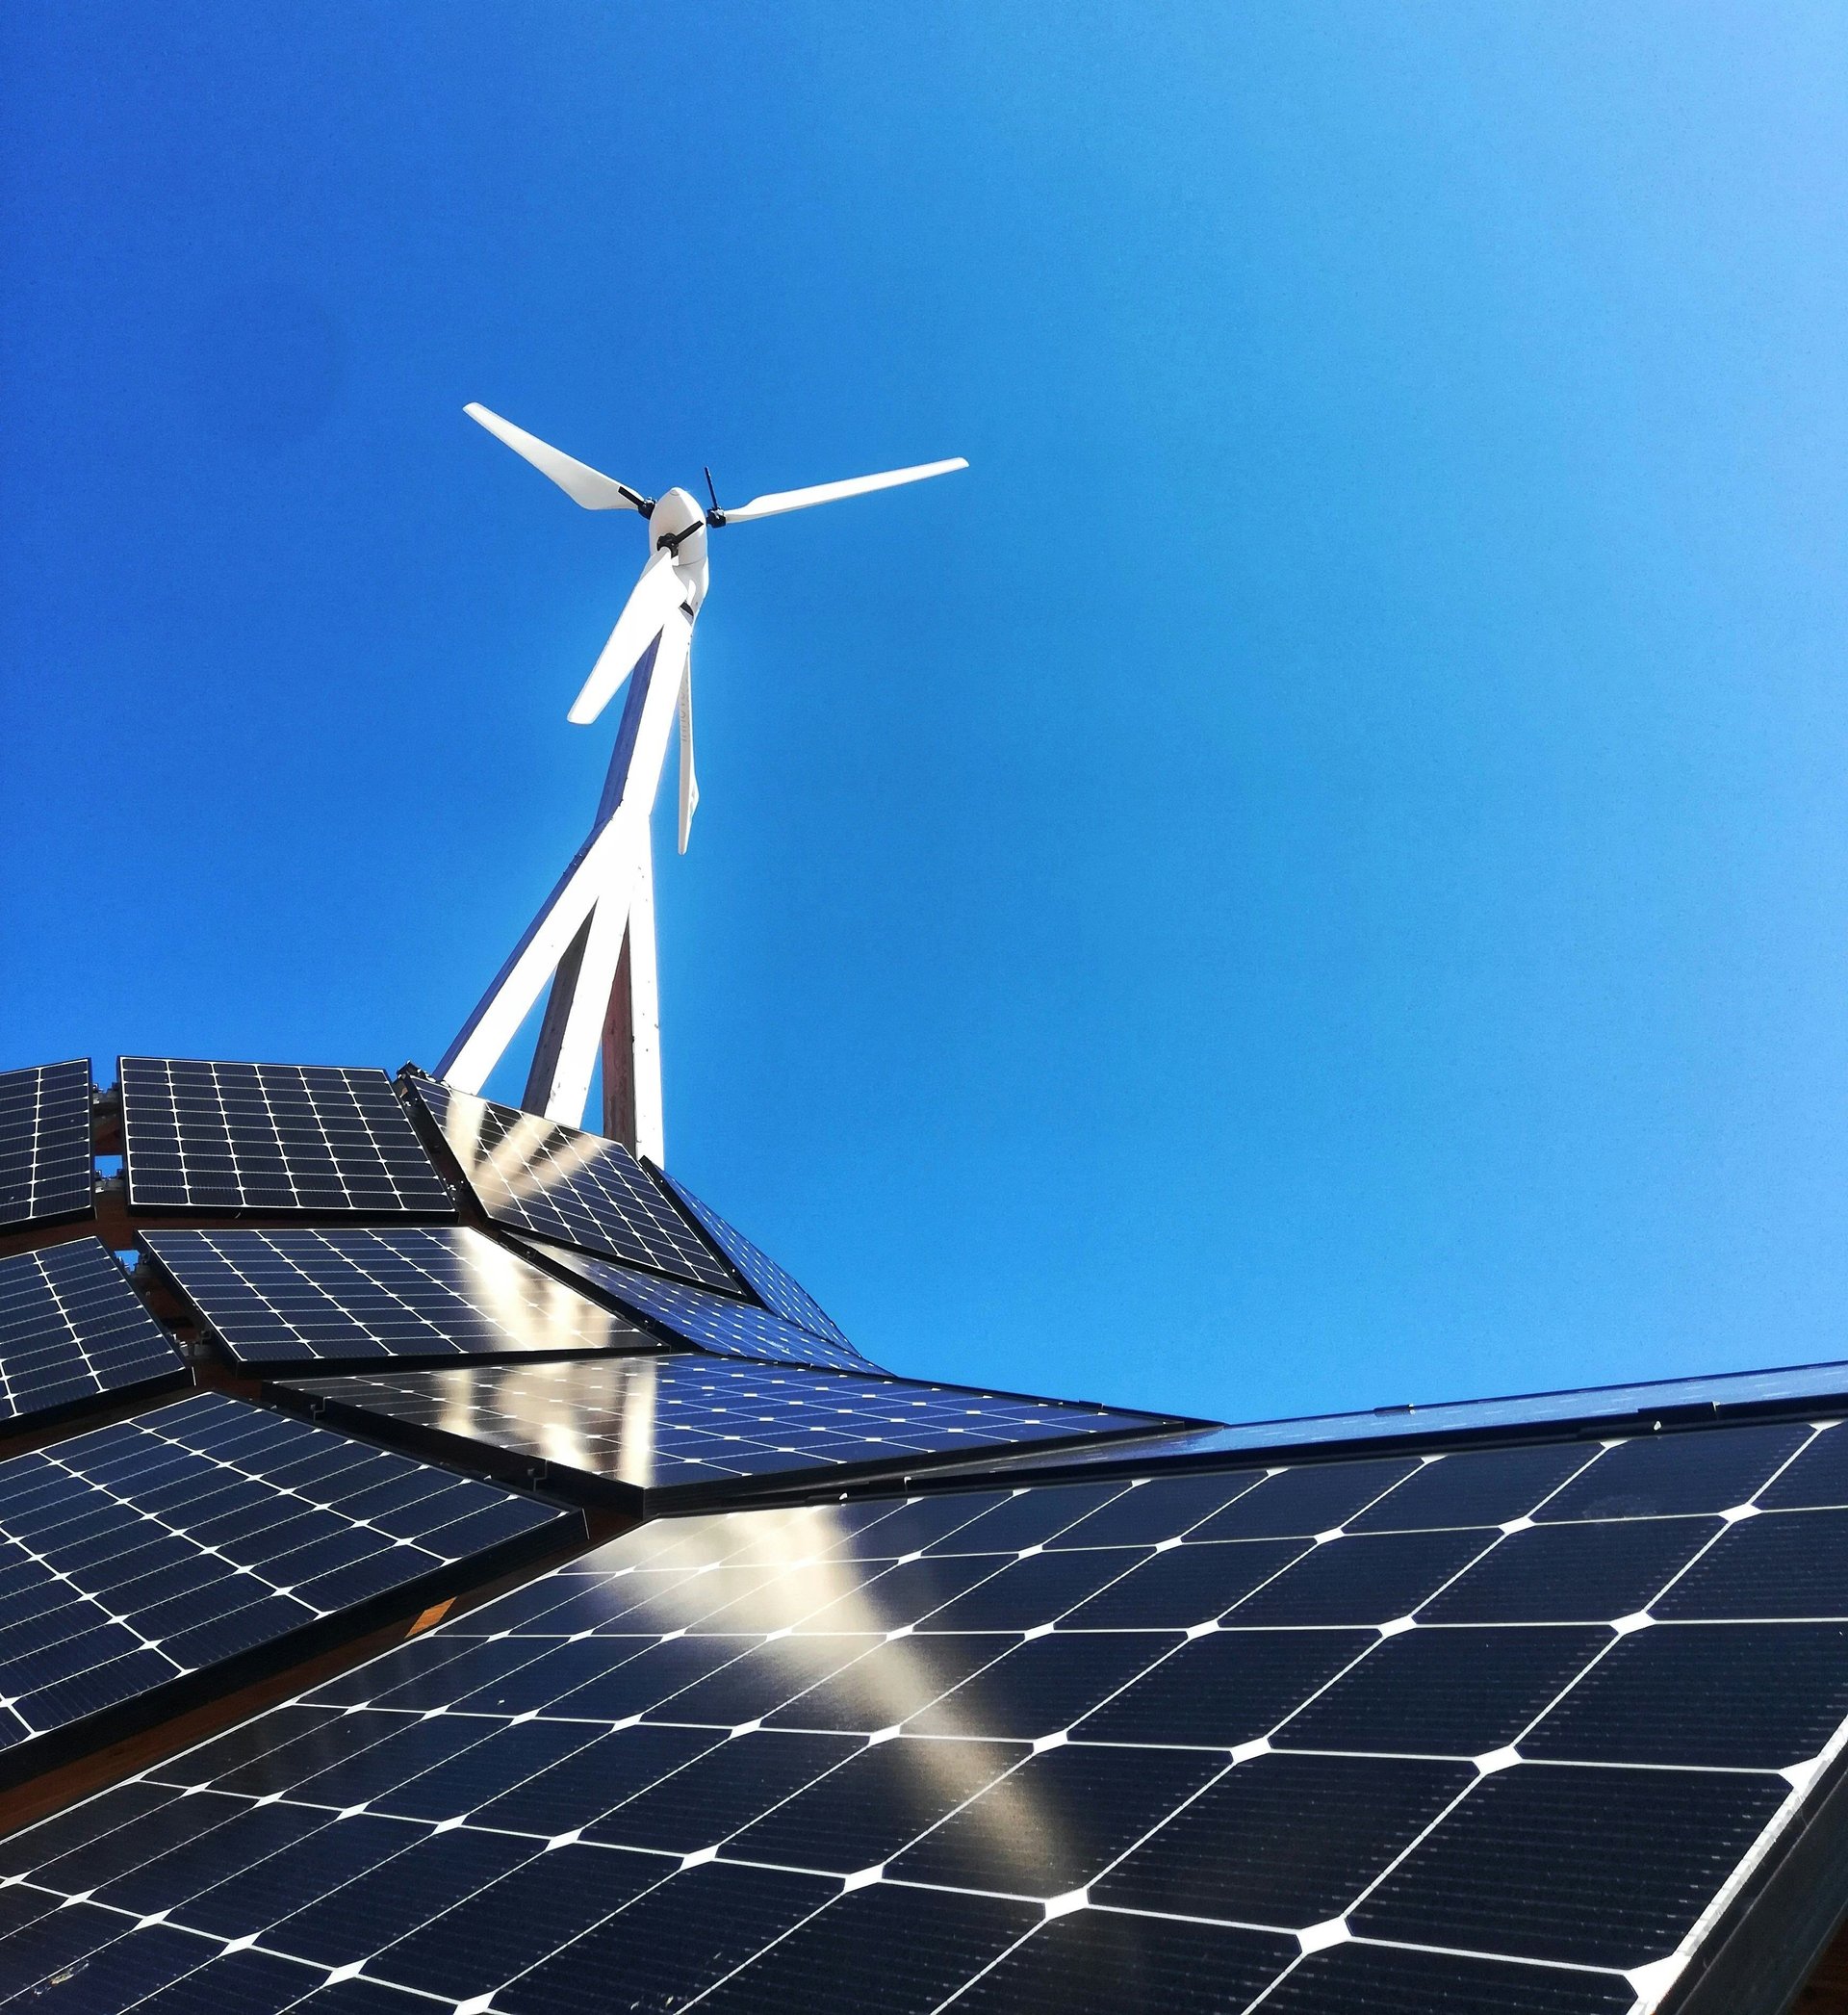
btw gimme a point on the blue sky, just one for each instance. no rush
(1314, 876)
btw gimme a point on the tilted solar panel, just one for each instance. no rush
(714, 1322)
(281, 1139)
(1497, 1731)
(778, 1290)
(72, 1332)
(139, 1559)
(47, 1168)
(559, 1183)
(677, 1429)
(413, 1293)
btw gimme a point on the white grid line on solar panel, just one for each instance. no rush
(470, 1673)
(714, 1322)
(106, 1596)
(238, 1136)
(558, 1182)
(47, 1168)
(673, 1422)
(779, 1291)
(293, 1294)
(72, 1327)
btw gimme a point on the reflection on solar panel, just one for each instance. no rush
(1495, 1731)
(714, 1322)
(775, 1289)
(287, 1138)
(557, 1184)
(47, 1170)
(140, 1555)
(684, 1429)
(73, 1331)
(301, 1297)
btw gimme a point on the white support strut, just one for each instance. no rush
(593, 936)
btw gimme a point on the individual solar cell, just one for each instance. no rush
(272, 1139)
(1227, 1688)
(1656, 1476)
(677, 1429)
(1786, 1564)
(1818, 1477)
(1572, 1573)
(73, 1331)
(1157, 1508)
(881, 1951)
(311, 1297)
(1284, 1839)
(577, 1189)
(137, 1557)
(778, 1290)
(1186, 1585)
(1303, 1502)
(1607, 1867)
(1487, 1488)
(1373, 1579)
(1057, 1823)
(1734, 1695)
(1045, 1685)
(695, 1315)
(47, 1165)
(872, 1775)
(1445, 1691)
(1099, 1962)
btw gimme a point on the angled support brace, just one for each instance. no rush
(594, 937)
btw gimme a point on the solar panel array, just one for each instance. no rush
(778, 1290)
(576, 1188)
(272, 1138)
(678, 1427)
(47, 1167)
(712, 1322)
(138, 1555)
(301, 1297)
(1496, 1730)
(73, 1330)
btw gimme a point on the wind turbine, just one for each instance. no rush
(594, 937)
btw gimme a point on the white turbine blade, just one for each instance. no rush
(654, 598)
(579, 481)
(689, 783)
(779, 500)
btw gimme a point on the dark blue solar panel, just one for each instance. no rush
(560, 1183)
(714, 1322)
(47, 1168)
(1109, 1745)
(676, 1427)
(73, 1330)
(272, 1138)
(778, 1290)
(299, 1297)
(140, 1555)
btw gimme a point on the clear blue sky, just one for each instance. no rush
(1315, 875)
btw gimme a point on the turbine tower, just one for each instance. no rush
(593, 936)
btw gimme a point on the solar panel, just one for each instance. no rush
(47, 1168)
(140, 1558)
(779, 1291)
(272, 1138)
(303, 1298)
(1083, 1747)
(714, 1322)
(574, 1188)
(72, 1330)
(677, 1429)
